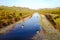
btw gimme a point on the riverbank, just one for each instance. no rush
(46, 25)
(10, 27)
(40, 35)
(48, 32)
(51, 32)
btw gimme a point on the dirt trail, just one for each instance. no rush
(48, 32)
(47, 25)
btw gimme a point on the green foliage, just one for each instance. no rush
(54, 12)
(9, 15)
(50, 11)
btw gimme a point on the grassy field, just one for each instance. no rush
(10, 15)
(52, 34)
(54, 15)
(56, 19)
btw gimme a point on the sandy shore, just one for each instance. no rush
(10, 27)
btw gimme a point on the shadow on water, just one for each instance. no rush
(30, 27)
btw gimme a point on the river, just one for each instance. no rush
(25, 30)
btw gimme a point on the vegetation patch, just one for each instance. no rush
(10, 15)
(53, 15)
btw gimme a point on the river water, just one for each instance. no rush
(25, 32)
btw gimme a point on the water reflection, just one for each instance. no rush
(25, 31)
(22, 26)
